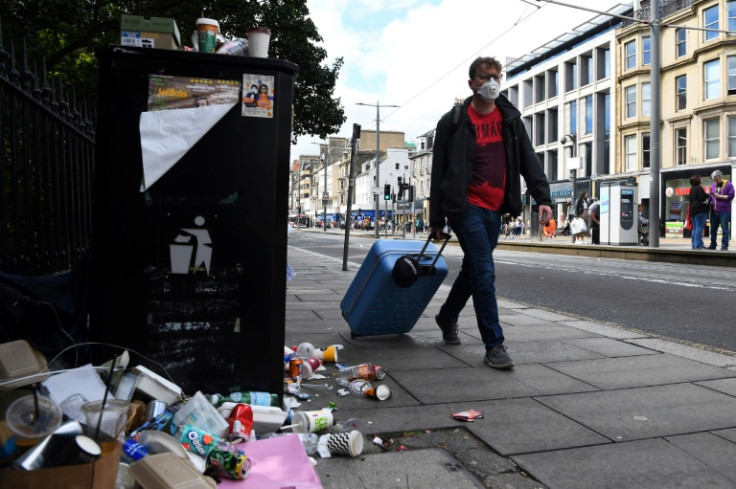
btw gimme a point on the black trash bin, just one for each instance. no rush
(190, 269)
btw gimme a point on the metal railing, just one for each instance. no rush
(46, 168)
(667, 8)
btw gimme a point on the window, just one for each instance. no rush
(731, 6)
(681, 88)
(552, 165)
(630, 150)
(710, 21)
(646, 99)
(588, 158)
(712, 75)
(681, 145)
(630, 54)
(552, 132)
(712, 129)
(646, 50)
(538, 88)
(731, 75)
(606, 133)
(586, 69)
(603, 63)
(630, 101)
(553, 80)
(539, 128)
(589, 114)
(732, 136)
(572, 110)
(680, 42)
(645, 150)
(527, 93)
(571, 73)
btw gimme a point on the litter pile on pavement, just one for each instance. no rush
(136, 428)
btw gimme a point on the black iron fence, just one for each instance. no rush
(46, 168)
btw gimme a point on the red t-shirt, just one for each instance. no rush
(489, 168)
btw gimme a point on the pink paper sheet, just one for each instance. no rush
(277, 463)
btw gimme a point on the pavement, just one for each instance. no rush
(588, 405)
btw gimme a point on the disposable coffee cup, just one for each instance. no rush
(258, 40)
(309, 366)
(380, 392)
(30, 420)
(348, 444)
(327, 354)
(207, 34)
(312, 421)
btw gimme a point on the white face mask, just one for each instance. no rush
(489, 90)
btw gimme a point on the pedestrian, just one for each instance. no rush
(481, 151)
(553, 228)
(580, 229)
(699, 207)
(721, 193)
(643, 227)
(594, 212)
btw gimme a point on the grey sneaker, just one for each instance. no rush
(497, 357)
(449, 330)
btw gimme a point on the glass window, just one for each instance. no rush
(630, 54)
(553, 133)
(710, 21)
(603, 63)
(712, 138)
(572, 76)
(732, 135)
(712, 75)
(552, 83)
(731, 6)
(645, 150)
(646, 99)
(538, 88)
(630, 149)
(539, 127)
(646, 50)
(681, 87)
(572, 110)
(606, 133)
(681, 145)
(731, 75)
(630, 101)
(586, 69)
(589, 114)
(681, 42)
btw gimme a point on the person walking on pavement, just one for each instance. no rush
(594, 211)
(699, 207)
(481, 150)
(581, 212)
(722, 193)
(643, 227)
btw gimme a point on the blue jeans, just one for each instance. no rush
(477, 233)
(723, 219)
(698, 226)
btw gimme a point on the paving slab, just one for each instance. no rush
(544, 314)
(686, 351)
(609, 331)
(713, 451)
(542, 332)
(411, 356)
(727, 386)
(729, 434)
(529, 352)
(619, 373)
(524, 425)
(611, 348)
(645, 412)
(645, 464)
(416, 469)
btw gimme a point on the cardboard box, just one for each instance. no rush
(149, 32)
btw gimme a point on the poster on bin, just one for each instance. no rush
(258, 96)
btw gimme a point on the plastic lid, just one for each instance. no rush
(263, 30)
(23, 422)
(206, 21)
(19, 360)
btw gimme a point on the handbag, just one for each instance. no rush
(578, 226)
(688, 221)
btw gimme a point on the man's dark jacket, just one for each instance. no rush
(452, 164)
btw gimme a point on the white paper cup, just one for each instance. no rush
(312, 421)
(348, 444)
(258, 40)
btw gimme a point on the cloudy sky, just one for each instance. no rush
(415, 53)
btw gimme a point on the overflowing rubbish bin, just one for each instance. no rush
(189, 261)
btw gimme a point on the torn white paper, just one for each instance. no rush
(83, 380)
(167, 135)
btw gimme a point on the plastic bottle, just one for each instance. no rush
(305, 350)
(132, 451)
(309, 441)
(249, 397)
(366, 371)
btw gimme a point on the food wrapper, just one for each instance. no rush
(470, 415)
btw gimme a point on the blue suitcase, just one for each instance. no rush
(375, 304)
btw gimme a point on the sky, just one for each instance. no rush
(416, 53)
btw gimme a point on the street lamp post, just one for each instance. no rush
(572, 138)
(325, 196)
(378, 106)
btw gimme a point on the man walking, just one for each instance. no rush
(721, 192)
(481, 150)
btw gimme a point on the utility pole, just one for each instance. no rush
(378, 106)
(654, 136)
(351, 186)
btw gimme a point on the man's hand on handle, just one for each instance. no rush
(545, 214)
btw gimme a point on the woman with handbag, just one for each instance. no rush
(579, 224)
(698, 211)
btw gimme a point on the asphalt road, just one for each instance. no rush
(692, 304)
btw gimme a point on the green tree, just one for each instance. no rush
(66, 33)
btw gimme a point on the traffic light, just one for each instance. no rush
(387, 192)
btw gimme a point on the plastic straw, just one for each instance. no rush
(104, 398)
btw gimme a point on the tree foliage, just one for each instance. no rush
(66, 33)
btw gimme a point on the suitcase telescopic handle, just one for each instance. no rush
(439, 253)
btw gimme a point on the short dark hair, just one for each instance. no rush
(484, 60)
(695, 179)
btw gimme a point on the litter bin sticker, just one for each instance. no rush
(258, 96)
(191, 249)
